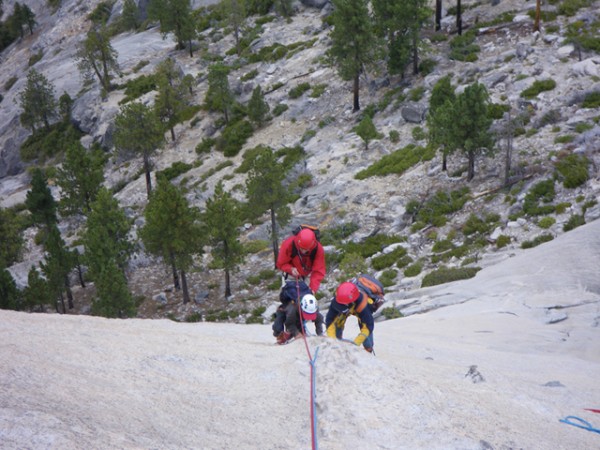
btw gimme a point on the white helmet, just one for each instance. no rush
(309, 307)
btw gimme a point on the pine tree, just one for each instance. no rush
(37, 101)
(173, 94)
(10, 296)
(106, 237)
(172, 231)
(96, 56)
(113, 298)
(222, 220)
(130, 16)
(266, 192)
(439, 119)
(235, 13)
(80, 178)
(218, 95)
(470, 130)
(366, 130)
(39, 201)
(11, 243)
(57, 265)
(353, 41)
(37, 293)
(174, 16)
(139, 131)
(258, 108)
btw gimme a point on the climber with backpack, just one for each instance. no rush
(302, 257)
(297, 318)
(350, 299)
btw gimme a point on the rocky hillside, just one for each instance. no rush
(511, 58)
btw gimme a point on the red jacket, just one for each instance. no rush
(303, 263)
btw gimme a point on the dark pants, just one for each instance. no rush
(280, 316)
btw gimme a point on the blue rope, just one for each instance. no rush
(580, 423)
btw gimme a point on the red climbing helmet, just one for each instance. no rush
(305, 240)
(346, 293)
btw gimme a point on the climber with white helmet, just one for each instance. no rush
(295, 321)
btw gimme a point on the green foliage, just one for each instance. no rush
(502, 241)
(300, 89)
(442, 246)
(35, 58)
(96, 56)
(335, 235)
(388, 277)
(434, 210)
(256, 246)
(318, 90)
(551, 117)
(279, 109)
(570, 7)
(418, 134)
(137, 87)
(39, 201)
(463, 47)
(256, 315)
(233, 137)
(11, 244)
(546, 222)
(476, 225)
(37, 101)
(574, 221)
(537, 241)
(351, 264)
(205, 145)
(113, 299)
(174, 16)
(564, 139)
(394, 136)
(291, 156)
(218, 95)
(366, 130)
(542, 192)
(386, 260)
(249, 75)
(372, 244)
(496, 110)
(592, 100)
(176, 169)
(537, 87)
(573, 169)
(413, 270)
(101, 12)
(391, 313)
(427, 66)
(416, 94)
(44, 144)
(397, 162)
(258, 108)
(80, 178)
(10, 296)
(447, 275)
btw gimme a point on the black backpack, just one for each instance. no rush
(289, 292)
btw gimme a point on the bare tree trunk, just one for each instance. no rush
(274, 238)
(173, 134)
(186, 292)
(69, 292)
(538, 13)
(438, 15)
(509, 149)
(471, 171)
(356, 92)
(444, 162)
(175, 275)
(227, 284)
(147, 168)
(459, 17)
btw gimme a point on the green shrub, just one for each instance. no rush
(388, 277)
(138, 86)
(335, 235)
(570, 7)
(12, 80)
(308, 135)
(551, 117)
(391, 313)
(372, 244)
(592, 100)
(541, 192)
(573, 169)
(297, 91)
(416, 94)
(44, 144)
(574, 222)
(560, 208)
(35, 58)
(502, 241)
(546, 222)
(446, 275)
(496, 111)
(564, 139)
(537, 241)
(418, 134)
(318, 90)
(397, 162)
(583, 127)
(463, 48)
(250, 75)
(326, 121)
(256, 246)
(279, 109)
(403, 262)
(233, 138)
(442, 246)
(434, 210)
(205, 146)
(537, 87)
(475, 225)
(351, 264)
(291, 155)
(394, 136)
(426, 66)
(193, 317)
(176, 169)
(256, 315)
(413, 270)
(382, 261)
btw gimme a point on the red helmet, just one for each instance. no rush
(347, 293)
(305, 240)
